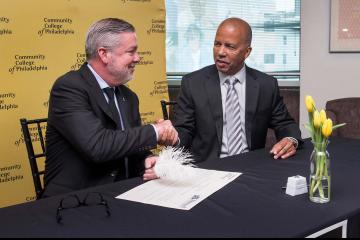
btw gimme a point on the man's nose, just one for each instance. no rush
(222, 51)
(136, 58)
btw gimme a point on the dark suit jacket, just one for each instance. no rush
(83, 147)
(199, 113)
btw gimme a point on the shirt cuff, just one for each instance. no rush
(157, 134)
(295, 141)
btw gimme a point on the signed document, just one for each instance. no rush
(181, 194)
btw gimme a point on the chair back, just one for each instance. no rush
(291, 100)
(345, 110)
(167, 114)
(33, 157)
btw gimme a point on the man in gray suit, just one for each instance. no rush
(226, 109)
(94, 134)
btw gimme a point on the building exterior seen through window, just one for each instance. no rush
(192, 24)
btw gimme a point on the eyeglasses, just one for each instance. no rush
(73, 201)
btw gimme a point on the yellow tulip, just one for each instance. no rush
(309, 102)
(327, 128)
(317, 119)
(322, 116)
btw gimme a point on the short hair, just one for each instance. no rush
(104, 33)
(240, 22)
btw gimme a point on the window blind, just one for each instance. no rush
(191, 28)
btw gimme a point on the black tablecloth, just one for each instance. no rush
(254, 205)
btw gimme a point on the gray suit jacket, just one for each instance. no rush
(199, 113)
(83, 147)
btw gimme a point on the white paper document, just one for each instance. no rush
(184, 194)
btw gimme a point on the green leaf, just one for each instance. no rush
(338, 126)
(308, 127)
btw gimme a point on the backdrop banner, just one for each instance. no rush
(41, 40)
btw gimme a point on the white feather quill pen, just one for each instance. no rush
(174, 164)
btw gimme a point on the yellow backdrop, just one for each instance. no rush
(41, 40)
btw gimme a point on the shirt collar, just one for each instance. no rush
(99, 79)
(240, 75)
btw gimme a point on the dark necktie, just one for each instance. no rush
(110, 92)
(114, 95)
(122, 106)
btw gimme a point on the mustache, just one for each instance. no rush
(222, 61)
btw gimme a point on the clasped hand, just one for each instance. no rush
(167, 134)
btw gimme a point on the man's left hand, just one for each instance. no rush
(283, 149)
(149, 168)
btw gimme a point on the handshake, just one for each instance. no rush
(167, 134)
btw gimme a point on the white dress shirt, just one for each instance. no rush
(240, 88)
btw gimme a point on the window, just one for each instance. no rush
(284, 59)
(285, 40)
(269, 58)
(192, 24)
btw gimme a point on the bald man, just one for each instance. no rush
(226, 109)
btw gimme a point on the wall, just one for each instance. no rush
(324, 75)
(41, 40)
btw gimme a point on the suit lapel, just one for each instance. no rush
(213, 89)
(96, 91)
(252, 96)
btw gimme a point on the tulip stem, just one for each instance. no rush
(321, 172)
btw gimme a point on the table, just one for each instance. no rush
(254, 205)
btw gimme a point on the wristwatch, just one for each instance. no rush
(294, 141)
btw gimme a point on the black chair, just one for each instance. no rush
(345, 110)
(33, 157)
(167, 115)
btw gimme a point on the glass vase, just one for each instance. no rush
(320, 174)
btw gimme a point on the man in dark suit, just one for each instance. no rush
(94, 134)
(226, 109)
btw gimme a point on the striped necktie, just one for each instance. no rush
(235, 130)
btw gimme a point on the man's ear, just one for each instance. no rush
(248, 51)
(103, 55)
